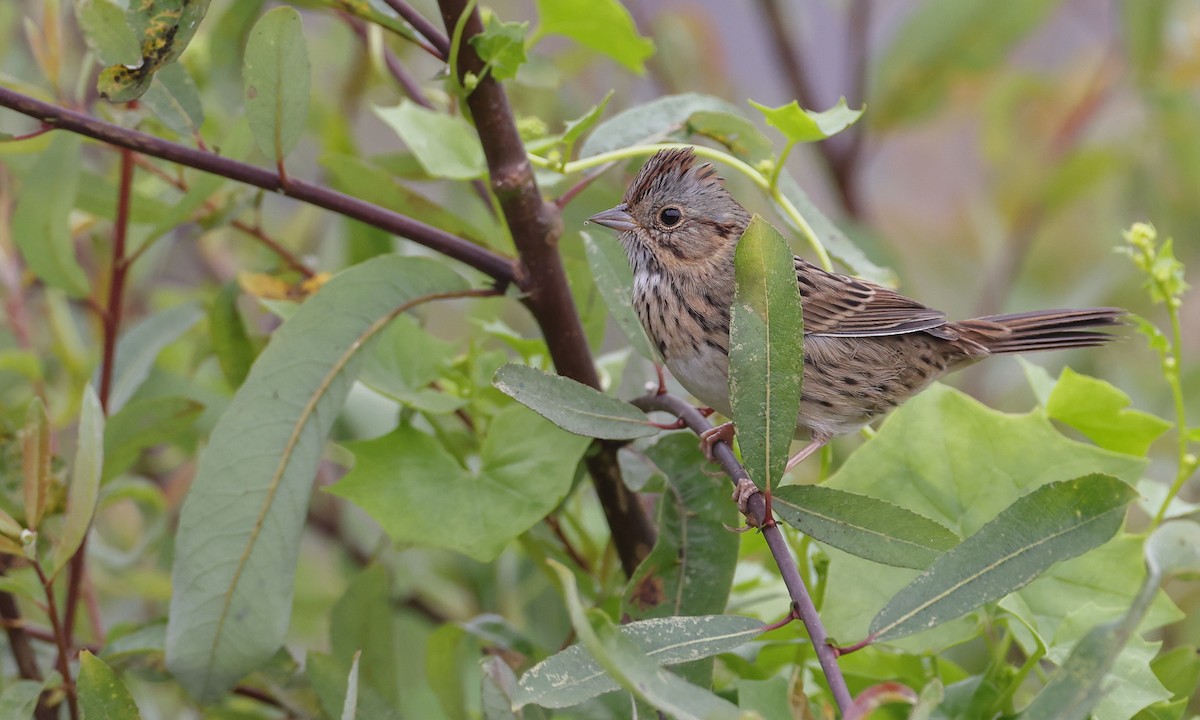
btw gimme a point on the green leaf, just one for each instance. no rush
(614, 280)
(802, 126)
(1099, 410)
(445, 145)
(164, 28)
(240, 526)
(572, 676)
(942, 42)
(949, 458)
(575, 129)
(404, 364)
(502, 46)
(362, 633)
(102, 695)
(602, 25)
(650, 122)
(20, 698)
(864, 526)
(737, 133)
(498, 686)
(139, 347)
(571, 405)
(227, 332)
(525, 468)
(632, 667)
(276, 78)
(1050, 524)
(40, 224)
(107, 33)
(690, 569)
(766, 338)
(771, 698)
(36, 456)
(174, 100)
(143, 424)
(85, 481)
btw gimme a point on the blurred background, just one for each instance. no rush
(1004, 149)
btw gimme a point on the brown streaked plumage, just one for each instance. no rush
(866, 348)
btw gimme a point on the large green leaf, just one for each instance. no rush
(276, 78)
(102, 695)
(955, 461)
(445, 145)
(525, 468)
(143, 424)
(571, 405)
(1053, 523)
(40, 224)
(650, 122)
(766, 337)
(603, 25)
(864, 526)
(406, 363)
(690, 569)
(1101, 411)
(240, 526)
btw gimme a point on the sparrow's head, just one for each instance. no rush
(676, 213)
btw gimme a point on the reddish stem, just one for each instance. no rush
(60, 635)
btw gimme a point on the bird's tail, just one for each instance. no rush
(1041, 329)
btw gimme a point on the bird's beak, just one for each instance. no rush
(617, 218)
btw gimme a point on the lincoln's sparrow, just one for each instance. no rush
(866, 348)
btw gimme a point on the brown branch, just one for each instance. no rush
(490, 263)
(422, 26)
(757, 514)
(536, 225)
(60, 635)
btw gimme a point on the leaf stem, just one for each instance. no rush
(60, 635)
(768, 185)
(1171, 364)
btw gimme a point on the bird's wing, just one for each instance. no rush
(849, 307)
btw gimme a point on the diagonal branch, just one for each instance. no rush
(421, 25)
(756, 511)
(536, 225)
(490, 263)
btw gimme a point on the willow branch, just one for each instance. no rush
(536, 226)
(486, 261)
(756, 511)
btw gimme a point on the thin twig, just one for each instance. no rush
(756, 513)
(535, 226)
(421, 25)
(490, 263)
(60, 635)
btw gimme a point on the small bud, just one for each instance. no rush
(470, 81)
(765, 166)
(1169, 362)
(1190, 461)
(1142, 236)
(1176, 302)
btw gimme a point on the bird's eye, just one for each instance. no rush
(670, 216)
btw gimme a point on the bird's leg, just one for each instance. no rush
(709, 438)
(662, 379)
(816, 444)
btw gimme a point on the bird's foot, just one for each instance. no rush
(743, 492)
(709, 438)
